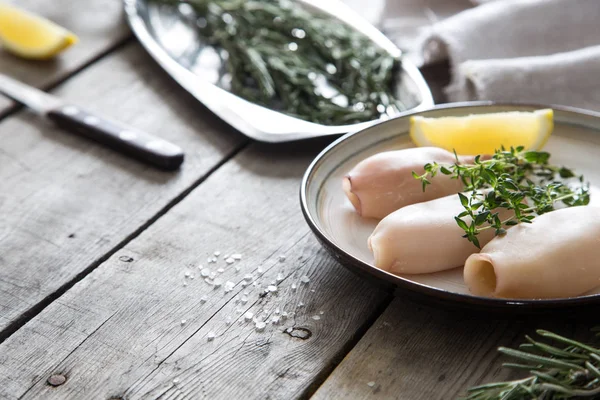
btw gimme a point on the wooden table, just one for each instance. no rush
(95, 248)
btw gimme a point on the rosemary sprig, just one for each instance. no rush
(563, 369)
(517, 180)
(280, 55)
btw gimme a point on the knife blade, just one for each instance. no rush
(140, 145)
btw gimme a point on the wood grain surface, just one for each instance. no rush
(136, 327)
(67, 202)
(417, 352)
(99, 24)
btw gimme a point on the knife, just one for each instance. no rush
(141, 145)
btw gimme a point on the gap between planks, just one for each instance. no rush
(40, 306)
(16, 107)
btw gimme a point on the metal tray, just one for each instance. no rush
(199, 69)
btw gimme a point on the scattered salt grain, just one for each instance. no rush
(248, 316)
(273, 282)
(272, 288)
(371, 384)
(244, 300)
(277, 311)
(312, 290)
(236, 256)
(205, 272)
(228, 321)
(183, 321)
(260, 326)
(246, 293)
(184, 283)
(259, 270)
(279, 278)
(217, 253)
(203, 299)
(200, 266)
(305, 279)
(316, 317)
(187, 274)
(226, 256)
(176, 381)
(300, 304)
(191, 276)
(209, 260)
(244, 284)
(275, 320)
(210, 336)
(294, 287)
(213, 260)
(238, 269)
(284, 315)
(321, 312)
(229, 260)
(281, 258)
(220, 270)
(217, 282)
(229, 286)
(248, 277)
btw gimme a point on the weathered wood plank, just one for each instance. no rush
(99, 24)
(119, 331)
(418, 352)
(66, 201)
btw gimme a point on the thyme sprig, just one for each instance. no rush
(561, 369)
(285, 57)
(517, 180)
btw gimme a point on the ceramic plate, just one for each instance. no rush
(574, 143)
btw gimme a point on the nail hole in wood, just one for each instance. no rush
(56, 380)
(299, 333)
(125, 259)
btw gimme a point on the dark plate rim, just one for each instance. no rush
(350, 261)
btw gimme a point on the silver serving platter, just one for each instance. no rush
(166, 33)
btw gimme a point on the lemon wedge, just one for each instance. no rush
(484, 133)
(30, 36)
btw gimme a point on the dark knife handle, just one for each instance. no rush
(140, 145)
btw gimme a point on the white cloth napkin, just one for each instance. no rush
(542, 51)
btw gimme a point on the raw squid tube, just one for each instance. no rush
(423, 238)
(383, 183)
(557, 255)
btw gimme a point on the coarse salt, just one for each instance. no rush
(200, 266)
(229, 260)
(248, 277)
(259, 270)
(284, 315)
(183, 321)
(187, 274)
(205, 272)
(228, 321)
(294, 287)
(217, 253)
(305, 279)
(277, 311)
(248, 316)
(203, 299)
(220, 270)
(272, 288)
(371, 384)
(260, 326)
(229, 286)
(279, 278)
(321, 312)
(236, 256)
(184, 283)
(300, 304)
(217, 282)
(275, 320)
(176, 381)
(226, 256)
(281, 258)
(316, 317)
(210, 336)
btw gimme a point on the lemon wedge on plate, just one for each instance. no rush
(484, 133)
(30, 36)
